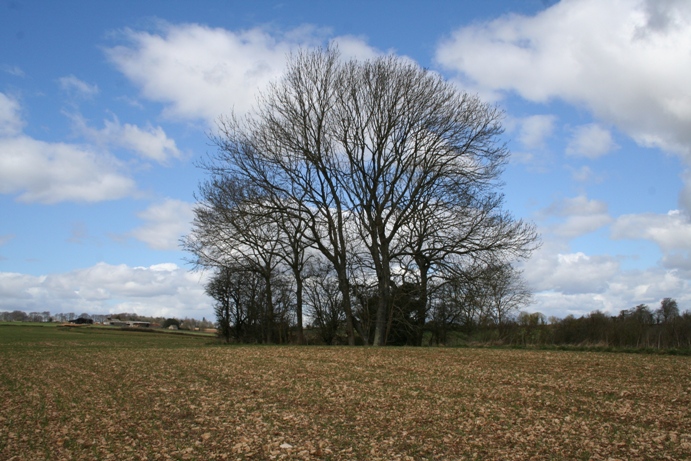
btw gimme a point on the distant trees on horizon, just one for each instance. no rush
(638, 327)
(62, 317)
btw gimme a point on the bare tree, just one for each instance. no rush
(230, 230)
(221, 288)
(379, 154)
(454, 241)
(502, 293)
(412, 142)
(324, 301)
(294, 245)
(455, 305)
(286, 148)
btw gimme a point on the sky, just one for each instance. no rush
(106, 108)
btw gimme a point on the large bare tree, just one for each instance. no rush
(379, 157)
(286, 148)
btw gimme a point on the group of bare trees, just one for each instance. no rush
(638, 327)
(361, 195)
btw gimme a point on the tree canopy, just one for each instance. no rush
(380, 172)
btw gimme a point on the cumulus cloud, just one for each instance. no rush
(590, 141)
(73, 85)
(535, 129)
(54, 172)
(652, 285)
(166, 222)
(570, 273)
(200, 72)
(670, 232)
(579, 205)
(352, 47)
(626, 61)
(585, 174)
(578, 216)
(685, 194)
(531, 133)
(576, 283)
(158, 290)
(679, 262)
(624, 290)
(148, 142)
(11, 122)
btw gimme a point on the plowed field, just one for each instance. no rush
(105, 394)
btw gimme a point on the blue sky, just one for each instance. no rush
(105, 106)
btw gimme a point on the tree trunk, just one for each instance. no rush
(269, 311)
(422, 306)
(380, 326)
(344, 286)
(380, 255)
(298, 307)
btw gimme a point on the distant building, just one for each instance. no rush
(140, 324)
(82, 321)
(127, 323)
(115, 322)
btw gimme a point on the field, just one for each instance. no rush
(91, 393)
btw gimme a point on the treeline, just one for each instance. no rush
(487, 299)
(459, 316)
(639, 327)
(63, 317)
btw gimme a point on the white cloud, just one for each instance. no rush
(567, 281)
(570, 273)
(48, 172)
(11, 122)
(649, 286)
(352, 47)
(56, 172)
(591, 141)
(581, 216)
(149, 142)
(578, 225)
(577, 283)
(678, 261)
(204, 72)
(579, 205)
(166, 222)
(685, 194)
(560, 304)
(78, 87)
(627, 61)
(535, 129)
(158, 290)
(585, 174)
(13, 70)
(671, 231)
(198, 71)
